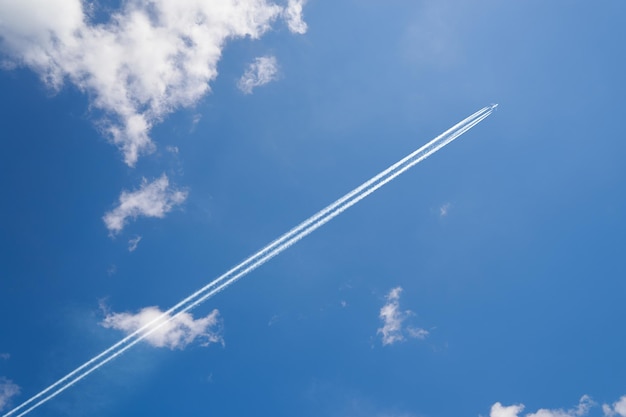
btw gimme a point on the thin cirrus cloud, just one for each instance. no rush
(8, 390)
(263, 70)
(145, 61)
(152, 199)
(583, 408)
(394, 328)
(174, 334)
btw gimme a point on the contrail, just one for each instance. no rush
(256, 260)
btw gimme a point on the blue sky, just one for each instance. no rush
(147, 147)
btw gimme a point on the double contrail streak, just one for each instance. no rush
(259, 258)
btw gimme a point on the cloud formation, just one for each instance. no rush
(152, 199)
(393, 329)
(176, 334)
(4, 356)
(582, 409)
(132, 243)
(260, 72)
(617, 409)
(498, 410)
(8, 390)
(293, 15)
(148, 59)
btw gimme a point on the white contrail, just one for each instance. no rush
(258, 259)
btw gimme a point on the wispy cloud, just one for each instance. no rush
(175, 334)
(152, 199)
(260, 72)
(145, 61)
(293, 16)
(8, 390)
(132, 243)
(394, 329)
(581, 410)
(444, 209)
(4, 356)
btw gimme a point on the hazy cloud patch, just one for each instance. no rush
(444, 209)
(8, 390)
(260, 72)
(132, 243)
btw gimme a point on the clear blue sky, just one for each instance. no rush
(127, 184)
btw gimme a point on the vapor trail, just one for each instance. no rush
(259, 258)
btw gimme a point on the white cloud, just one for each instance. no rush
(618, 408)
(498, 410)
(150, 58)
(4, 356)
(8, 390)
(293, 16)
(153, 199)
(393, 318)
(582, 409)
(132, 243)
(262, 71)
(176, 334)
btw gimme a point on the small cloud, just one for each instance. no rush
(194, 122)
(273, 320)
(293, 16)
(153, 199)
(175, 334)
(393, 318)
(582, 409)
(172, 149)
(4, 356)
(8, 390)
(262, 71)
(112, 270)
(132, 243)
(344, 303)
(417, 333)
(498, 410)
(443, 210)
(618, 408)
